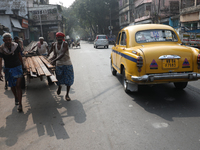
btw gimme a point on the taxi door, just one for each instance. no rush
(121, 49)
(115, 52)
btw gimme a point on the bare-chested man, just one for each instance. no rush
(64, 68)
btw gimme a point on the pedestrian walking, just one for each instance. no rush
(42, 47)
(20, 43)
(10, 52)
(64, 68)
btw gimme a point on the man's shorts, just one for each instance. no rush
(12, 74)
(65, 75)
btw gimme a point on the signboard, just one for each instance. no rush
(24, 23)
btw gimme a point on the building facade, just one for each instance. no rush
(126, 13)
(14, 15)
(189, 15)
(45, 20)
(30, 19)
(156, 11)
(133, 12)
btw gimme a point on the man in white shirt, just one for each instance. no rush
(42, 47)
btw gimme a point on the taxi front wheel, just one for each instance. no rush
(125, 83)
(180, 85)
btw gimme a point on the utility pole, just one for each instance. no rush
(159, 10)
(110, 23)
(110, 17)
(40, 24)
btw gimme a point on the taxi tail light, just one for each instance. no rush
(97, 37)
(139, 63)
(198, 61)
(106, 37)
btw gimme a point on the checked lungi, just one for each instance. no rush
(65, 75)
(11, 75)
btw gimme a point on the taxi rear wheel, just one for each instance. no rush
(114, 72)
(125, 83)
(180, 85)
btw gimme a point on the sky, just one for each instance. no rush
(66, 3)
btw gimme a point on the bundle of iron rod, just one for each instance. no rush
(38, 66)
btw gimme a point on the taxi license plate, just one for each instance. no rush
(170, 63)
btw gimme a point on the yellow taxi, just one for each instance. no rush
(153, 54)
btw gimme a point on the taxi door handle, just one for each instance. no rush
(123, 48)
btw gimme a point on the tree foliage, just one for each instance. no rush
(89, 16)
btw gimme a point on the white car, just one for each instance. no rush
(101, 40)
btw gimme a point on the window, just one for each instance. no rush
(174, 7)
(198, 2)
(15, 11)
(123, 39)
(2, 11)
(118, 38)
(101, 37)
(155, 36)
(187, 3)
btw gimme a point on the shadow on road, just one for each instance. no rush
(15, 125)
(44, 111)
(43, 106)
(73, 108)
(166, 101)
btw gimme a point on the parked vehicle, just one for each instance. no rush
(101, 40)
(152, 54)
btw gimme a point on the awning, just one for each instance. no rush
(16, 23)
(16, 30)
(144, 22)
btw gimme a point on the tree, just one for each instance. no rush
(89, 16)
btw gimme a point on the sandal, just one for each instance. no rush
(16, 102)
(20, 108)
(59, 90)
(67, 98)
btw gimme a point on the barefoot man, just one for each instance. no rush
(64, 68)
(11, 53)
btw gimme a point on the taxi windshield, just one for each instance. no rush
(155, 36)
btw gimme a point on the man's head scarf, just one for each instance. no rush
(58, 34)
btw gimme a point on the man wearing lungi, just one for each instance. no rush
(11, 53)
(64, 68)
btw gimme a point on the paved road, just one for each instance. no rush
(101, 116)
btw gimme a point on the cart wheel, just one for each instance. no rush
(23, 83)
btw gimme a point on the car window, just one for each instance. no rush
(118, 38)
(123, 39)
(155, 36)
(101, 37)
